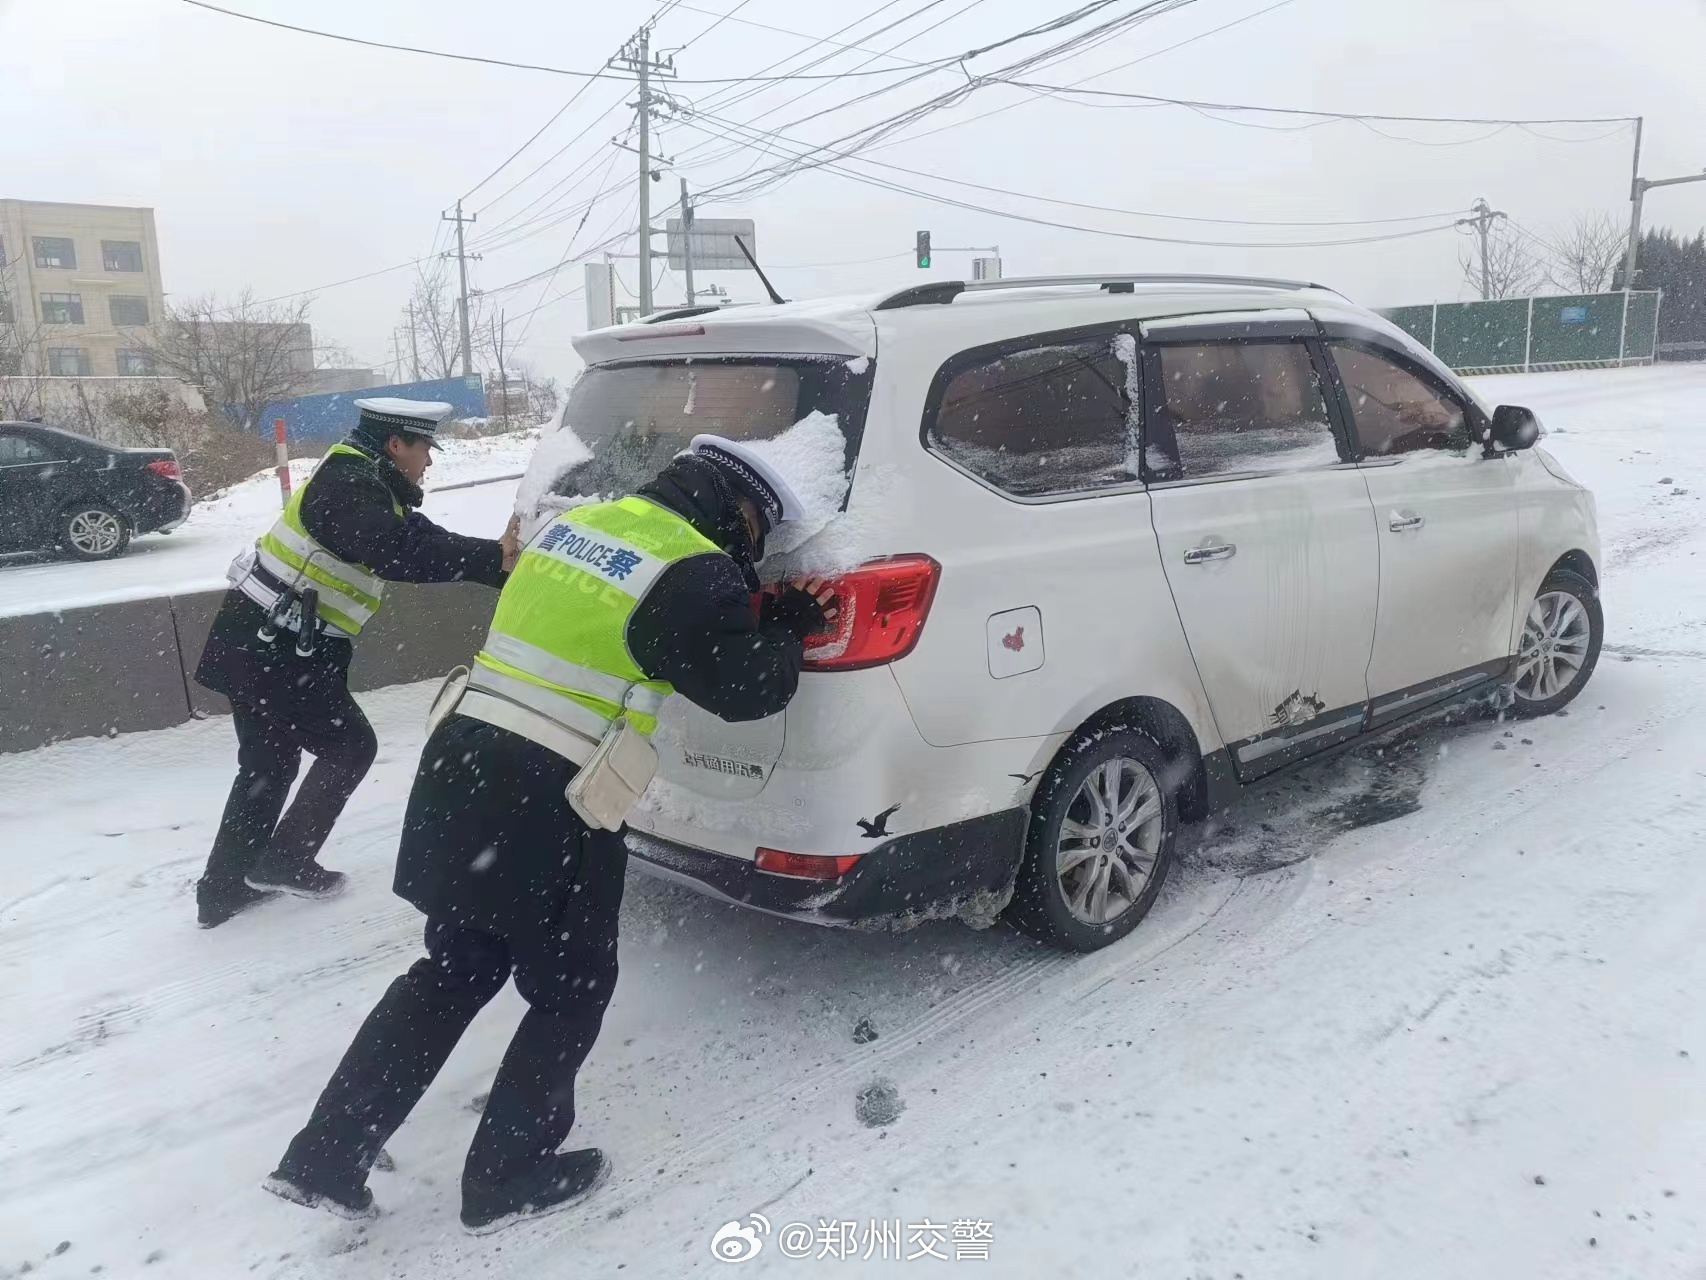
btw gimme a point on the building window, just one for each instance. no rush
(129, 311)
(5, 309)
(135, 364)
(121, 255)
(62, 308)
(55, 251)
(68, 362)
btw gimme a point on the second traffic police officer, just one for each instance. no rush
(611, 608)
(281, 645)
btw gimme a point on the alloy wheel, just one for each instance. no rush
(95, 532)
(1554, 648)
(1109, 840)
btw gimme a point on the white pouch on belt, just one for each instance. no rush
(613, 777)
(445, 700)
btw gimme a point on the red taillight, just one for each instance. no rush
(883, 607)
(166, 468)
(806, 866)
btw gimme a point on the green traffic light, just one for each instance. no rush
(924, 262)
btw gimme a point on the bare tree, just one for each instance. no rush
(1586, 257)
(242, 355)
(500, 352)
(543, 396)
(1513, 268)
(23, 358)
(437, 326)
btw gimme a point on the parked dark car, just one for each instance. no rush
(62, 491)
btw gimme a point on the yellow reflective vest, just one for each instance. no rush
(556, 667)
(350, 594)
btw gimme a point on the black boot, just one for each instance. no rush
(304, 880)
(349, 1199)
(217, 904)
(563, 1180)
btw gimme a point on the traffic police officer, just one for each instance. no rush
(281, 644)
(611, 608)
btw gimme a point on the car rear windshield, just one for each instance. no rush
(636, 417)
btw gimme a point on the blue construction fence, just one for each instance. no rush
(330, 416)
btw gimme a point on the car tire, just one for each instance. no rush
(93, 531)
(1100, 893)
(1560, 644)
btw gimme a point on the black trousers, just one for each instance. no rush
(566, 978)
(271, 737)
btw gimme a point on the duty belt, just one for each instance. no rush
(259, 585)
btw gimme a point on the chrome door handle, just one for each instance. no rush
(1216, 551)
(1400, 523)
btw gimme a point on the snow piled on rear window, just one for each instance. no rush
(812, 456)
(560, 449)
(846, 540)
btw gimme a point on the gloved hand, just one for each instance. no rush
(806, 608)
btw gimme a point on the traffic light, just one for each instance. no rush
(924, 248)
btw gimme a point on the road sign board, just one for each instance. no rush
(714, 247)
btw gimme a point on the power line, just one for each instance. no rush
(1102, 208)
(1330, 115)
(783, 31)
(504, 62)
(563, 186)
(721, 18)
(510, 158)
(724, 99)
(869, 135)
(1123, 66)
(888, 185)
(557, 115)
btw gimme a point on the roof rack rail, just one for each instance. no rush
(946, 291)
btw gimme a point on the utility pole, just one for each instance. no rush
(1485, 216)
(1638, 188)
(462, 268)
(687, 239)
(1632, 250)
(414, 344)
(397, 354)
(636, 56)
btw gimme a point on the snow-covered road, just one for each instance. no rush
(1433, 1012)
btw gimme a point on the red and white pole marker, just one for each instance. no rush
(281, 453)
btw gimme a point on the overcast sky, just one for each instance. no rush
(283, 161)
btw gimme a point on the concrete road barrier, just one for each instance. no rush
(112, 668)
(120, 668)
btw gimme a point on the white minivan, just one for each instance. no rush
(1114, 547)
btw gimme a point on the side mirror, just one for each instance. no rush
(1514, 428)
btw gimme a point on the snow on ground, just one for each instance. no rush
(194, 556)
(1435, 1011)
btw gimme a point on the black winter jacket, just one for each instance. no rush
(488, 842)
(347, 509)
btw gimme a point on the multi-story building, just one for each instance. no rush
(78, 285)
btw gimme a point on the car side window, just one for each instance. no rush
(1237, 406)
(1054, 418)
(15, 450)
(1394, 410)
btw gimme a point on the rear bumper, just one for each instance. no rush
(163, 508)
(965, 869)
